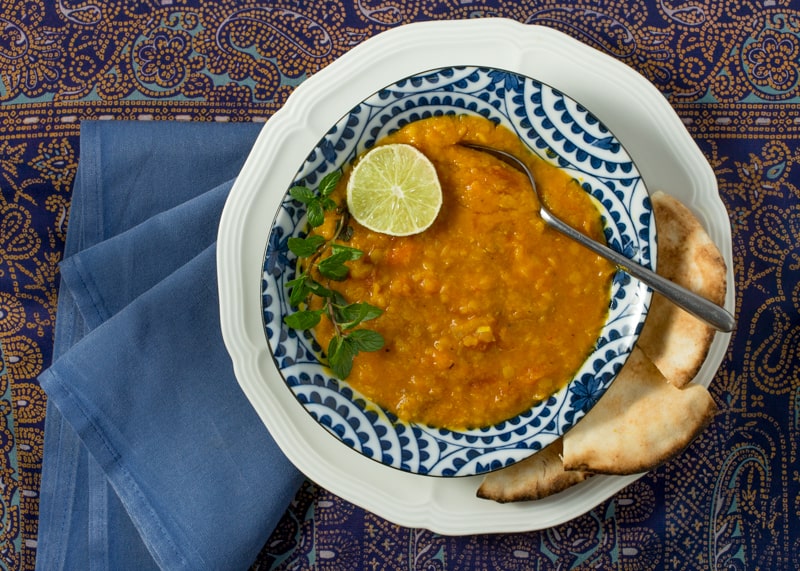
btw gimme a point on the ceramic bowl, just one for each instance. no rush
(562, 132)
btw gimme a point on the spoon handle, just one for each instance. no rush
(705, 310)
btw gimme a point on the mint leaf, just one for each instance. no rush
(318, 289)
(299, 289)
(304, 319)
(366, 340)
(305, 247)
(352, 253)
(315, 213)
(333, 266)
(328, 183)
(351, 315)
(341, 353)
(302, 194)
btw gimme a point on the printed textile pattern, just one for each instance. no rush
(730, 69)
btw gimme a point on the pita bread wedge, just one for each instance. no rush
(534, 478)
(673, 339)
(640, 422)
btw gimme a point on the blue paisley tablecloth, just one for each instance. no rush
(730, 69)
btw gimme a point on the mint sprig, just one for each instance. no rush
(328, 258)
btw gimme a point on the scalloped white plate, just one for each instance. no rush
(628, 105)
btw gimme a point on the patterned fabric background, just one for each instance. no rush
(730, 69)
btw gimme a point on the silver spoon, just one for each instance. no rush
(709, 312)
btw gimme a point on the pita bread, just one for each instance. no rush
(673, 339)
(534, 478)
(641, 422)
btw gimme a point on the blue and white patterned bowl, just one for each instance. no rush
(559, 130)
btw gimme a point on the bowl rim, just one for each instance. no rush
(507, 455)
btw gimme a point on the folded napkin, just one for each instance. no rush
(153, 456)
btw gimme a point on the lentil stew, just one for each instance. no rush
(488, 311)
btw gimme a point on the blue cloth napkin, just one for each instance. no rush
(153, 456)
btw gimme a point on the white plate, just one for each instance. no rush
(630, 107)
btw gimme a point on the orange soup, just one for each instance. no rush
(488, 311)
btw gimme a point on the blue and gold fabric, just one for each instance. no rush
(731, 70)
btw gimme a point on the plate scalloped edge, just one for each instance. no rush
(624, 100)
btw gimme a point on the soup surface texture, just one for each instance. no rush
(488, 311)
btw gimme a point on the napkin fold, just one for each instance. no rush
(104, 278)
(153, 456)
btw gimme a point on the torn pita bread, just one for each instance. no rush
(534, 478)
(640, 422)
(673, 339)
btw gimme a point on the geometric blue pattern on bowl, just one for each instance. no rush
(560, 131)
